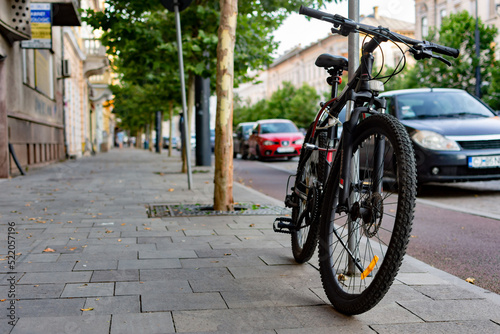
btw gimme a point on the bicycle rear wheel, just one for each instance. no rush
(360, 251)
(308, 187)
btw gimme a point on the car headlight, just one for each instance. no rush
(299, 142)
(267, 143)
(435, 141)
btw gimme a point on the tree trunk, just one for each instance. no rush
(223, 179)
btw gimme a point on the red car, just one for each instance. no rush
(275, 138)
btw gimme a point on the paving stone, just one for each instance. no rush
(159, 322)
(161, 246)
(202, 253)
(149, 264)
(119, 247)
(88, 290)
(168, 254)
(254, 243)
(277, 259)
(47, 307)
(115, 275)
(419, 279)
(62, 277)
(109, 255)
(90, 324)
(45, 266)
(96, 265)
(184, 301)
(235, 320)
(114, 305)
(441, 292)
(354, 328)
(452, 310)
(150, 287)
(270, 298)
(272, 271)
(153, 240)
(228, 261)
(455, 327)
(39, 291)
(183, 274)
(46, 257)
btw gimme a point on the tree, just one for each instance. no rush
(139, 36)
(457, 31)
(299, 105)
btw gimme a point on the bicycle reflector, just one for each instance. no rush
(370, 267)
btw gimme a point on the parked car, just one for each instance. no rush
(166, 142)
(275, 138)
(212, 139)
(456, 136)
(240, 139)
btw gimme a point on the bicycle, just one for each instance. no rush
(354, 194)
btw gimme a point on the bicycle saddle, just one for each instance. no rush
(327, 60)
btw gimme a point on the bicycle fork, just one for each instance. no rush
(352, 190)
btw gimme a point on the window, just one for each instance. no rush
(442, 14)
(44, 70)
(424, 26)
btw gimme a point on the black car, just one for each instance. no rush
(456, 136)
(240, 139)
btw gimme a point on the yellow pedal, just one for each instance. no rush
(370, 267)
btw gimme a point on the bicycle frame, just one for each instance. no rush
(357, 93)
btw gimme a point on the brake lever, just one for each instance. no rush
(426, 54)
(442, 59)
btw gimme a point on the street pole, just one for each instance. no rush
(478, 55)
(187, 137)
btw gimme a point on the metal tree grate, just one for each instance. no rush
(190, 210)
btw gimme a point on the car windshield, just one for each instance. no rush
(278, 127)
(440, 105)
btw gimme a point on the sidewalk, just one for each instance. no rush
(91, 261)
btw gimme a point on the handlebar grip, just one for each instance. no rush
(445, 50)
(317, 14)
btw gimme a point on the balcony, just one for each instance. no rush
(97, 61)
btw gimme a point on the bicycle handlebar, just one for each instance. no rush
(422, 49)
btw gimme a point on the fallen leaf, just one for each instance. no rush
(48, 250)
(109, 231)
(147, 228)
(2, 300)
(87, 309)
(171, 189)
(70, 222)
(72, 249)
(124, 224)
(251, 225)
(471, 280)
(119, 240)
(227, 254)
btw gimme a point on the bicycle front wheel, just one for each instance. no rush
(362, 242)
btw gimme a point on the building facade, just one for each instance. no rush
(44, 82)
(429, 13)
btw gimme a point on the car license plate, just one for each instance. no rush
(484, 162)
(285, 149)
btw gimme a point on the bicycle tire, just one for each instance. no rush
(306, 215)
(386, 237)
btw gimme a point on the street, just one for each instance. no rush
(465, 245)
